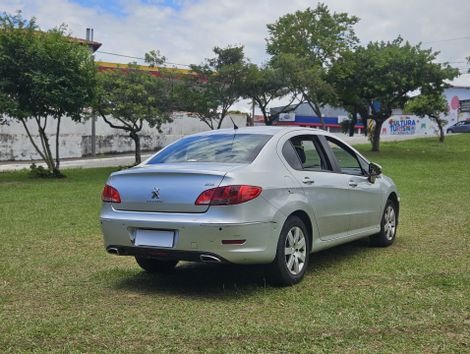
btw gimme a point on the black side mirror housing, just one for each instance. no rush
(374, 170)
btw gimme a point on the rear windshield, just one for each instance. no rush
(225, 148)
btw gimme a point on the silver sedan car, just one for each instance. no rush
(258, 195)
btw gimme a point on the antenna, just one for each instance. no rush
(234, 125)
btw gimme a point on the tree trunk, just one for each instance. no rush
(220, 121)
(441, 130)
(352, 125)
(136, 138)
(265, 116)
(57, 155)
(49, 159)
(376, 135)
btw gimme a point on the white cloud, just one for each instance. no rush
(187, 35)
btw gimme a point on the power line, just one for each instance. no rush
(188, 66)
(447, 39)
(139, 58)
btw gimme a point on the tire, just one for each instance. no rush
(388, 227)
(288, 269)
(449, 131)
(156, 266)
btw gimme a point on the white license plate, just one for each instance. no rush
(154, 238)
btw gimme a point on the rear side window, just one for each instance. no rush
(304, 153)
(224, 148)
(291, 156)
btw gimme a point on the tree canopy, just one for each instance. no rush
(431, 105)
(315, 34)
(128, 97)
(216, 85)
(264, 84)
(387, 73)
(304, 45)
(43, 76)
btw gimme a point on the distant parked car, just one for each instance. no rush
(260, 195)
(460, 127)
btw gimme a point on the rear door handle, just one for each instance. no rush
(307, 180)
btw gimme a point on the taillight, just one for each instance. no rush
(110, 195)
(228, 195)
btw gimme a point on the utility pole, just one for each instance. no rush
(252, 112)
(89, 38)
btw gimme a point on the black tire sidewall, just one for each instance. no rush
(280, 275)
(380, 239)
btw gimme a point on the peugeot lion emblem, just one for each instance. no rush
(156, 193)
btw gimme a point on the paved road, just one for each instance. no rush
(128, 159)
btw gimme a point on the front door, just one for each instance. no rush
(327, 192)
(365, 197)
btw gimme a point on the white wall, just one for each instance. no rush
(400, 124)
(75, 138)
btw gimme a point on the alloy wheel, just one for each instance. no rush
(389, 222)
(295, 250)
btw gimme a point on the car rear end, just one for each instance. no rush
(186, 203)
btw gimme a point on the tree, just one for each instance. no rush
(387, 73)
(44, 76)
(432, 106)
(263, 84)
(348, 82)
(305, 44)
(128, 97)
(215, 85)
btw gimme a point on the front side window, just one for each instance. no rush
(347, 160)
(223, 148)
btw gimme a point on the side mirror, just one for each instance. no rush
(374, 171)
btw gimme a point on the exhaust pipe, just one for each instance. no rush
(113, 250)
(207, 258)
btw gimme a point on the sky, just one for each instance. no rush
(185, 31)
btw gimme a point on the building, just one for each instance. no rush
(398, 124)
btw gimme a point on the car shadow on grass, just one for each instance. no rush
(224, 280)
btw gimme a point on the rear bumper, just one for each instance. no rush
(195, 235)
(167, 254)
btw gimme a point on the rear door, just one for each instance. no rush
(327, 192)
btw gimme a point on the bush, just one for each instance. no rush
(40, 172)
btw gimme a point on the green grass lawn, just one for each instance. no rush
(60, 291)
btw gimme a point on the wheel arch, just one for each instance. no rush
(394, 198)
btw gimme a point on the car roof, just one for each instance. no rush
(267, 130)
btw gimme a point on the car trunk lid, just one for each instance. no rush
(167, 187)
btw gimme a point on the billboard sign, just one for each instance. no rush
(287, 117)
(402, 126)
(464, 105)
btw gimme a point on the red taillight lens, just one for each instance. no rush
(110, 195)
(228, 195)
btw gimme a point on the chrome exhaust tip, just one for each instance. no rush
(207, 258)
(113, 250)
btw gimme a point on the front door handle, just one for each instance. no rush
(352, 184)
(307, 180)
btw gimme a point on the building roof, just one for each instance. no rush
(92, 44)
(460, 87)
(153, 70)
